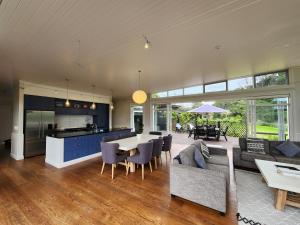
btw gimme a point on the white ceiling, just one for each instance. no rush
(39, 41)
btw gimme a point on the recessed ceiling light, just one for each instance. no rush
(218, 47)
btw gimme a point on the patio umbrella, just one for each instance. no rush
(203, 109)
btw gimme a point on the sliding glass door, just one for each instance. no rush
(160, 117)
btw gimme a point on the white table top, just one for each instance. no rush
(127, 144)
(277, 180)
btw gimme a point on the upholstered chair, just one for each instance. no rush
(143, 156)
(110, 156)
(167, 144)
(157, 147)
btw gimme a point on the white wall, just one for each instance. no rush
(72, 121)
(122, 114)
(21, 88)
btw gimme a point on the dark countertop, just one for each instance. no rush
(68, 134)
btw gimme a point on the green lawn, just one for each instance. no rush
(267, 129)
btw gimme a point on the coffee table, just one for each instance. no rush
(281, 183)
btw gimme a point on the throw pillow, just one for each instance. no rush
(288, 149)
(256, 146)
(198, 157)
(205, 150)
(187, 156)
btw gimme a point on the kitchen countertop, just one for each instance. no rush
(68, 134)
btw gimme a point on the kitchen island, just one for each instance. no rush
(68, 148)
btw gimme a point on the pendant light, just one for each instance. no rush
(139, 96)
(67, 102)
(93, 106)
(147, 43)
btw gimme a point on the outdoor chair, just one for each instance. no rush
(200, 132)
(212, 133)
(155, 132)
(224, 132)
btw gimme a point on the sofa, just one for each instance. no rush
(246, 160)
(203, 186)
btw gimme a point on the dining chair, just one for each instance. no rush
(110, 155)
(143, 156)
(157, 148)
(167, 145)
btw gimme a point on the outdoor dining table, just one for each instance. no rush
(130, 144)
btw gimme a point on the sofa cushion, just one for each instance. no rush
(187, 156)
(256, 146)
(284, 159)
(220, 168)
(218, 160)
(288, 149)
(199, 159)
(197, 143)
(250, 156)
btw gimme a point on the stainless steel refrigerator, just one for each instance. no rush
(38, 124)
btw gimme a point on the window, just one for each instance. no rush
(176, 92)
(277, 78)
(160, 94)
(193, 90)
(240, 83)
(268, 118)
(215, 87)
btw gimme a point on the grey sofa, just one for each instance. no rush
(244, 159)
(203, 186)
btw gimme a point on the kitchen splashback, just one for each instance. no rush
(72, 121)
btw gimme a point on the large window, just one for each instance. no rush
(256, 81)
(240, 83)
(177, 92)
(160, 117)
(278, 78)
(215, 87)
(193, 90)
(268, 118)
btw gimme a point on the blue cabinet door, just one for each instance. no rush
(71, 148)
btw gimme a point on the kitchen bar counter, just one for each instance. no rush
(67, 134)
(68, 148)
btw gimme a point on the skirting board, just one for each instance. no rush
(75, 161)
(16, 157)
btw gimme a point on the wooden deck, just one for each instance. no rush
(34, 193)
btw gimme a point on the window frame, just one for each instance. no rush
(222, 81)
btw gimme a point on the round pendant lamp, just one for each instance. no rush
(139, 96)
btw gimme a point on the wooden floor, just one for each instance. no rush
(34, 193)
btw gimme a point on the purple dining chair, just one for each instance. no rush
(167, 144)
(143, 156)
(110, 155)
(157, 147)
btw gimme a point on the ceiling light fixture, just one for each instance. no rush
(93, 106)
(147, 42)
(67, 102)
(139, 96)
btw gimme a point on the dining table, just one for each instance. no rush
(130, 144)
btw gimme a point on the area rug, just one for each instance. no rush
(256, 202)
